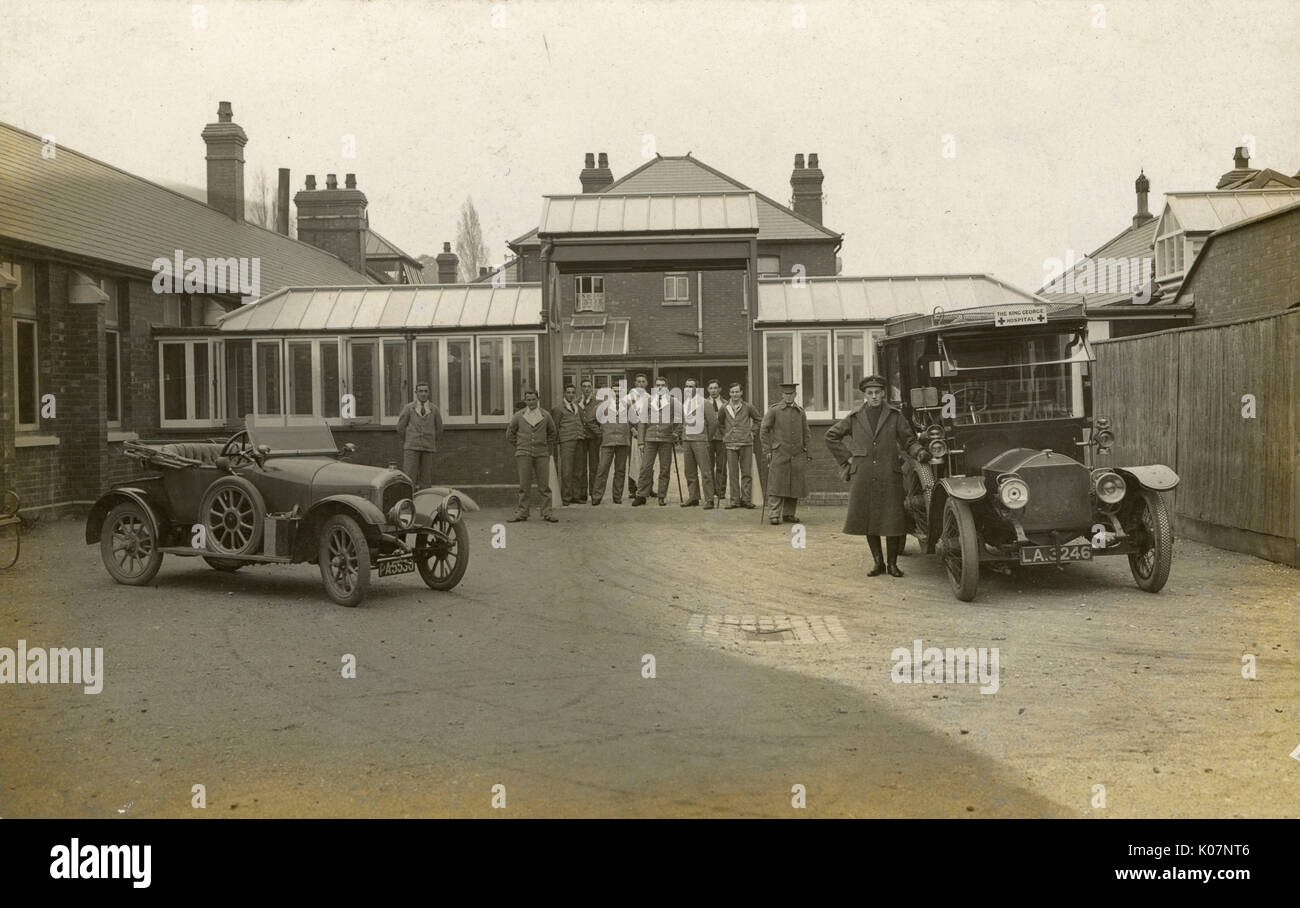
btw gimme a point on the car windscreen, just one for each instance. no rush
(1018, 378)
(311, 439)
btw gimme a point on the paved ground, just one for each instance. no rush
(530, 675)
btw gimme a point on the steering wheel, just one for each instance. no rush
(979, 393)
(239, 452)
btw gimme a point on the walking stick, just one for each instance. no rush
(677, 474)
(762, 514)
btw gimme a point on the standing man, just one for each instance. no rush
(867, 444)
(638, 400)
(568, 423)
(739, 426)
(785, 439)
(659, 433)
(615, 445)
(701, 425)
(531, 434)
(717, 447)
(418, 426)
(591, 440)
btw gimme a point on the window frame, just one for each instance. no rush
(869, 336)
(507, 349)
(676, 276)
(796, 335)
(597, 297)
(317, 376)
(442, 381)
(35, 374)
(113, 352)
(216, 375)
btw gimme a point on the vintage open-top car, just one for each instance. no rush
(279, 495)
(1001, 397)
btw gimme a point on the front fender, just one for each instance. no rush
(427, 501)
(106, 503)
(1156, 476)
(362, 508)
(967, 488)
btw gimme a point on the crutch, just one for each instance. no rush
(677, 474)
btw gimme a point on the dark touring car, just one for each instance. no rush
(279, 495)
(1001, 396)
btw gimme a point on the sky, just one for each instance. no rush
(955, 137)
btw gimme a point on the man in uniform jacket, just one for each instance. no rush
(785, 438)
(717, 447)
(532, 434)
(867, 445)
(738, 423)
(700, 426)
(591, 440)
(418, 426)
(573, 456)
(615, 445)
(638, 400)
(659, 432)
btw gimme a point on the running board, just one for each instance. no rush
(186, 552)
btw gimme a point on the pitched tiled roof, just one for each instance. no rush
(686, 175)
(77, 205)
(1268, 178)
(1133, 243)
(859, 299)
(378, 247)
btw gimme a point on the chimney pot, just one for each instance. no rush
(589, 161)
(331, 181)
(604, 160)
(812, 160)
(350, 181)
(225, 113)
(282, 203)
(798, 162)
(482, 270)
(1143, 185)
(446, 247)
(1241, 158)
(311, 181)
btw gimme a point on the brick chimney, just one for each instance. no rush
(282, 203)
(596, 176)
(334, 219)
(1241, 168)
(806, 184)
(1240, 158)
(225, 140)
(1143, 186)
(448, 262)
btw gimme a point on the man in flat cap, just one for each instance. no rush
(785, 439)
(867, 444)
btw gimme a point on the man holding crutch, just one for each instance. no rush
(658, 434)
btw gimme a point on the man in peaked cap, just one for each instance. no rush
(785, 439)
(867, 445)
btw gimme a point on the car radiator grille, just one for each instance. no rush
(395, 492)
(1058, 497)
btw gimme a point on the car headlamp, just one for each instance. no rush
(1108, 486)
(1013, 492)
(451, 507)
(1102, 434)
(402, 514)
(937, 448)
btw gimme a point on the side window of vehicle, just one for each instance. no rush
(893, 374)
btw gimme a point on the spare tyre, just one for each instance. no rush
(233, 514)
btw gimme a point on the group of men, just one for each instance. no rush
(634, 435)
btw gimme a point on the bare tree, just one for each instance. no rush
(469, 242)
(259, 205)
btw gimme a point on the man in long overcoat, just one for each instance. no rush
(785, 438)
(867, 444)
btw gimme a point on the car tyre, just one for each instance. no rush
(446, 562)
(1154, 531)
(344, 558)
(959, 545)
(128, 545)
(233, 515)
(919, 482)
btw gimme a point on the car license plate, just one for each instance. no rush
(1053, 554)
(402, 564)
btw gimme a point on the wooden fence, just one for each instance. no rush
(1179, 397)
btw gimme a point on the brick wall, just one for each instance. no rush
(818, 259)
(1247, 272)
(653, 332)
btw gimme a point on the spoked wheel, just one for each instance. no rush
(128, 545)
(233, 514)
(920, 479)
(1153, 534)
(344, 559)
(959, 547)
(442, 561)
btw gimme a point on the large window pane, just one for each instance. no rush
(523, 365)
(427, 368)
(268, 378)
(28, 405)
(460, 377)
(365, 376)
(850, 367)
(111, 379)
(780, 364)
(202, 379)
(329, 378)
(395, 377)
(814, 385)
(174, 381)
(491, 376)
(300, 379)
(239, 379)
